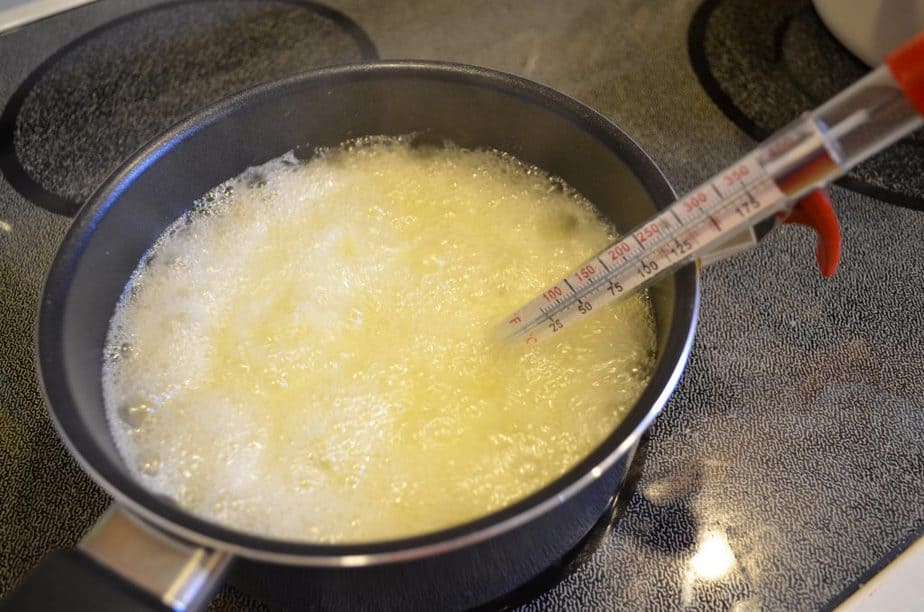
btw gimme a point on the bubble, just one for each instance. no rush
(256, 181)
(123, 350)
(325, 344)
(135, 412)
(302, 154)
(149, 465)
(555, 186)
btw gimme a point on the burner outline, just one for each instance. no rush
(696, 50)
(10, 166)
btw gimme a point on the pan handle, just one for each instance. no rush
(122, 564)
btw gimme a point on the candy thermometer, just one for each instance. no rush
(782, 180)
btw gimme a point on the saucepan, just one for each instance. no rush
(148, 551)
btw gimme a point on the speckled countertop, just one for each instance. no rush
(788, 464)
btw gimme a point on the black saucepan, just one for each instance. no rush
(176, 557)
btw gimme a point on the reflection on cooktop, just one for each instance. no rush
(584, 550)
(93, 102)
(765, 63)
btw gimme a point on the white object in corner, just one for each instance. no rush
(872, 28)
(17, 13)
(897, 588)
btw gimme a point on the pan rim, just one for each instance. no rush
(189, 527)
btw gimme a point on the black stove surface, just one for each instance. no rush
(765, 63)
(787, 465)
(86, 108)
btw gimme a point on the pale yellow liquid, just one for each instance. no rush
(312, 358)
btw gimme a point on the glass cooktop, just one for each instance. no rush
(786, 469)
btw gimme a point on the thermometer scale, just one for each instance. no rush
(781, 180)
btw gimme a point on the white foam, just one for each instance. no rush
(307, 354)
